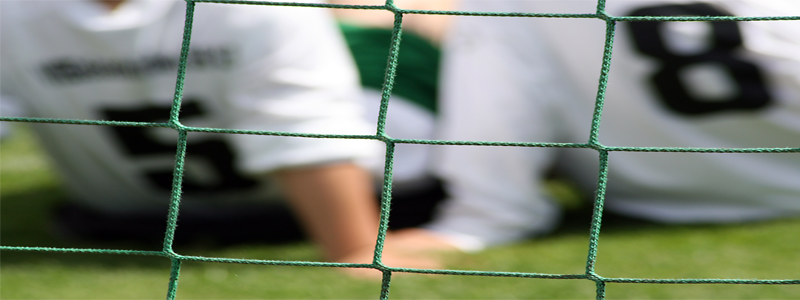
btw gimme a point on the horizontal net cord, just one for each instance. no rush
(82, 250)
(187, 128)
(403, 141)
(405, 270)
(704, 281)
(601, 16)
(84, 122)
(599, 146)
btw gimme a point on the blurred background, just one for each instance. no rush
(29, 189)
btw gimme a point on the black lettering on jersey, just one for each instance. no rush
(137, 142)
(74, 70)
(726, 39)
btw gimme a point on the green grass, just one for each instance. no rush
(627, 248)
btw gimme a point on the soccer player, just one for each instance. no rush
(671, 84)
(255, 68)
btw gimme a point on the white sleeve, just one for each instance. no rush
(9, 104)
(8, 108)
(300, 78)
(499, 84)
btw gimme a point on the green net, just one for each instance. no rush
(381, 135)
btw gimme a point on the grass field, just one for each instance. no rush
(627, 248)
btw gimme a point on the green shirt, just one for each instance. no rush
(417, 72)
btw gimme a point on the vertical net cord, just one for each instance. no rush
(172, 217)
(180, 155)
(386, 202)
(181, 78)
(601, 8)
(386, 192)
(177, 180)
(601, 290)
(603, 173)
(391, 69)
(602, 85)
(597, 217)
(177, 177)
(385, 282)
(172, 288)
(597, 214)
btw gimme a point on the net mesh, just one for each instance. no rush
(381, 135)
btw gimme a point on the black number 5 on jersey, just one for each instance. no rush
(216, 152)
(725, 39)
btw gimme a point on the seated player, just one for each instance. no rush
(254, 68)
(671, 84)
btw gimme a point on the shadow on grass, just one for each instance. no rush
(578, 221)
(27, 219)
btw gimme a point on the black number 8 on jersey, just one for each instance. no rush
(725, 39)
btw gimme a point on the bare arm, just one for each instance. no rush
(336, 205)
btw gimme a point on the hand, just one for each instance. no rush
(391, 256)
(418, 240)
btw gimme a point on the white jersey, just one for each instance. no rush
(679, 84)
(249, 67)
